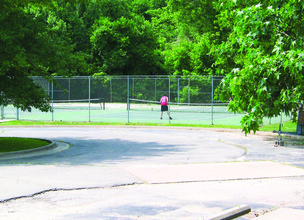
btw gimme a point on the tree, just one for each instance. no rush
(186, 32)
(29, 47)
(125, 47)
(262, 58)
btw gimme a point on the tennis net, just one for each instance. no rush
(79, 104)
(146, 105)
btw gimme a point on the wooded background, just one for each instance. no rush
(256, 45)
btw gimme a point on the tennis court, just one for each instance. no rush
(133, 99)
(140, 111)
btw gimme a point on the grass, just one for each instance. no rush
(10, 144)
(288, 126)
(65, 123)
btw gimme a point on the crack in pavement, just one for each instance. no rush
(143, 183)
(65, 190)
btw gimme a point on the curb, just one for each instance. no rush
(51, 148)
(231, 213)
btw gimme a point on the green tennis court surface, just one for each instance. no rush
(138, 112)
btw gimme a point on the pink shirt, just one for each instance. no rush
(164, 100)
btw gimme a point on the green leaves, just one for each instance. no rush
(257, 45)
(29, 46)
(125, 46)
(265, 73)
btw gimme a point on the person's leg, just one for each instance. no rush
(168, 114)
(161, 114)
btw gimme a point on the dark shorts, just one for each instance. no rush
(164, 108)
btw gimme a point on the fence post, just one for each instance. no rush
(17, 114)
(2, 112)
(89, 99)
(178, 90)
(52, 92)
(212, 102)
(111, 98)
(69, 92)
(169, 99)
(189, 90)
(128, 98)
(133, 91)
(155, 90)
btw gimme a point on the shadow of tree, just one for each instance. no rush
(90, 151)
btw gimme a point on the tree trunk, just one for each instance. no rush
(300, 125)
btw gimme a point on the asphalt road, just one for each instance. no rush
(151, 173)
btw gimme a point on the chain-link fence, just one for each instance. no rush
(131, 99)
(192, 89)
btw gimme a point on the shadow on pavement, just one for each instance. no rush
(92, 151)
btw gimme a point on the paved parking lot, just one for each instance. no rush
(151, 173)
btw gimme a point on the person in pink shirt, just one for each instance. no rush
(164, 106)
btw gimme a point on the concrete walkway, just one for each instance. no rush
(152, 173)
